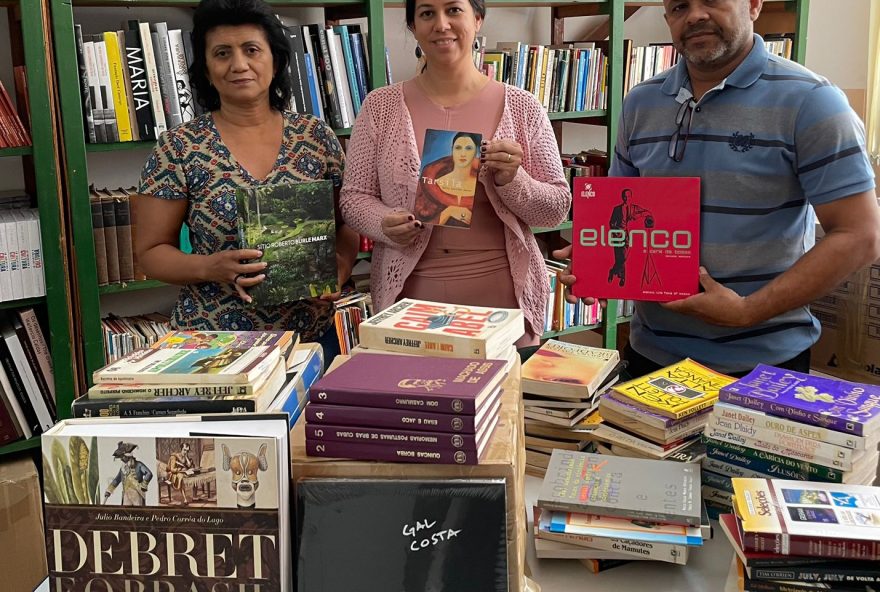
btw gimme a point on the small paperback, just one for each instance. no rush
(448, 178)
(285, 340)
(294, 226)
(636, 238)
(676, 391)
(568, 370)
(654, 491)
(203, 507)
(447, 330)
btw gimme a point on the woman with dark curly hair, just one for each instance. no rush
(246, 138)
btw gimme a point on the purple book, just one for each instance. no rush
(364, 435)
(839, 405)
(416, 383)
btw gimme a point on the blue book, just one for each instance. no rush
(582, 80)
(295, 395)
(345, 39)
(840, 405)
(360, 65)
(620, 528)
(313, 87)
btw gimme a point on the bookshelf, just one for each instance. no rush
(29, 45)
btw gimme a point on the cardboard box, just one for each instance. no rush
(22, 544)
(504, 458)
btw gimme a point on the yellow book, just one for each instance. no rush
(117, 85)
(675, 391)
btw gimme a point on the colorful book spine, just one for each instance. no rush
(811, 546)
(844, 464)
(771, 464)
(117, 85)
(390, 418)
(389, 452)
(390, 400)
(162, 391)
(367, 435)
(161, 407)
(848, 574)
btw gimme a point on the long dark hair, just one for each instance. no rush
(217, 13)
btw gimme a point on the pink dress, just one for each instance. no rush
(463, 266)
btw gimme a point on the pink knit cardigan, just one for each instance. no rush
(382, 173)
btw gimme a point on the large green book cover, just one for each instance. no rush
(294, 225)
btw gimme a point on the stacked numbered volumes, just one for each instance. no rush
(660, 415)
(803, 535)
(600, 508)
(562, 384)
(777, 423)
(424, 386)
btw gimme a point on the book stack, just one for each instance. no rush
(123, 335)
(561, 384)
(599, 508)
(21, 251)
(803, 535)
(778, 423)
(660, 415)
(417, 409)
(350, 311)
(13, 133)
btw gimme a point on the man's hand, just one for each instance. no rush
(568, 279)
(716, 305)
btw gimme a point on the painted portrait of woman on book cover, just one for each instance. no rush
(448, 178)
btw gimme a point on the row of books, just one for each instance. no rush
(21, 254)
(13, 132)
(568, 77)
(27, 383)
(350, 311)
(113, 234)
(560, 314)
(134, 82)
(123, 335)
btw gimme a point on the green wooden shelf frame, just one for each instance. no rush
(17, 151)
(20, 445)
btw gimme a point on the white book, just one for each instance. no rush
(95, 93)
(37, 251)
(41, 409)
(167, 81)
(334, 47)
(12, 247)
(111, 130)
(5, 269)
(152, 78)
(181, 74)
(29, 287)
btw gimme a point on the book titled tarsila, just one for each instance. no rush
(636, 238)
(294, 226)
(448, 178)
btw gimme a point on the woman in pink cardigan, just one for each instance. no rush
(521, 184)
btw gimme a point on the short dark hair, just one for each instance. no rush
(475, 138)
(479, 7)
(217, 13)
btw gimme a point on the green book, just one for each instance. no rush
(294, 225)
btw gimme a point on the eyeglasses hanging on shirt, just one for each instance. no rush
(679, 138)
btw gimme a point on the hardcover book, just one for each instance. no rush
(636, 238)
(840, 405)
(444, 330)
(654, 491)
(437, 385)
(809, 518)
(202, 507)
(676, 391)
(374, 535)
(294, 226)
(448, 178)
(560, 369)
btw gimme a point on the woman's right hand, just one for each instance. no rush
(226, 267)
(401, 227)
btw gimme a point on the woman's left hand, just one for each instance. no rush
(502, 158)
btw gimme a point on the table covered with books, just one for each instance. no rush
(504, 458)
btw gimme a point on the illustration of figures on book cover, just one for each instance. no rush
(294, 225)
(145, 497)
(448, 178)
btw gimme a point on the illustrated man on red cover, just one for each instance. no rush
(621, 215)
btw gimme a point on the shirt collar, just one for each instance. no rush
(746, 74)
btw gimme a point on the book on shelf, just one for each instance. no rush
(430, 534)
(293, 225)
(652, 491)
(448, 178)
(218, 485)
(12, 131)
(446, 330)
(567, 370)
(636, 237)
(123, 335)
(835, 404)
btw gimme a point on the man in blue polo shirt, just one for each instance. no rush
(772, 142)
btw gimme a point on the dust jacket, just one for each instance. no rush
(448, 178)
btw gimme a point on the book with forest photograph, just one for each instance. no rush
(294, 226)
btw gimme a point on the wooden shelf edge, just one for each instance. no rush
(577, 329)
(21, 302)
(20, 445)
(131, 286)
(17, 151)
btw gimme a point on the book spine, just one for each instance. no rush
(8, 430)
(787, 411)
(145, 391)
(124, 250)
(85, 91)
(388, 400)
(110, 239)
(367, 435)
(843, 575)
(760, 420)
(36, 422)
(389, 418)
(666, 552)
(608, 510)
(717, 481)
(731, 470)
(111, 130)
(770, 464)
(156, 105)
(348, 60)
(38, 342)
(360, 65)
(181, 74)
(116, 78)
(129, 92)
(300, 98)
(167, 81)
(726, 436)
(95, 90)
(334, 45)
(99, 239)
(813, 546)
(717, 496)
(34, 366)
(332, 92)
(416, 342)
(389, 452)
(25, 416)
(140, 87)
(88, 407)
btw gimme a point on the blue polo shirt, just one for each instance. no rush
(769, 142)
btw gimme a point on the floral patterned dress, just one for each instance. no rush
(191, 162)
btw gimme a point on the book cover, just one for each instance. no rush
(438, 385)
(809, 518)
(294, 226)
(87, 406)
(656, 491)
(676, 391)
(636, 238)
(840, 405)
(624, 528)
(446, 330)
(186, 339)
(402, 535)
(448, 178)
(559, 369)
(183, 511)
